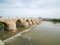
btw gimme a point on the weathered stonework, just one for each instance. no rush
(10, 23)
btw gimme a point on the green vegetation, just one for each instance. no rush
(0, 16)
(55, 20)
(1, 24)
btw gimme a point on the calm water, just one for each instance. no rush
(46, 33)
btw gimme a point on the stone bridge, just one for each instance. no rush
(11, 24)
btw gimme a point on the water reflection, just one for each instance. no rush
(6, 34)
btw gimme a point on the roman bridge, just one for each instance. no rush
(11, 24)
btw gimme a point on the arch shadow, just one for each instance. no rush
(4, 26)
(18, 23)
(32, 21)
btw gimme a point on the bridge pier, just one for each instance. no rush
(12, 26)
(25, 24)
(33, 22)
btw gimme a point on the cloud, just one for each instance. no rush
(28, 12)
(30, 8)
(30, 3)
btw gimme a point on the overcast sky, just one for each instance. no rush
(30, 8)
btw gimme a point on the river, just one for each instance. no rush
(46, 33)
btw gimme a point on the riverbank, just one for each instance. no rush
(54, 20)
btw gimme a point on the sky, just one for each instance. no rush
(30, 8)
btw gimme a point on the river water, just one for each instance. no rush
(46, 33)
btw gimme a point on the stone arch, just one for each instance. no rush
(21, 23)
(32, 21)
(4, 26)
(29, 22)
(18, 23)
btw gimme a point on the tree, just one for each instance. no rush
(0, 16)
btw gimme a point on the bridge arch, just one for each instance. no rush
(32, 22)
(29, 21)
(22, 23)
(4, 25)
(18, 23)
